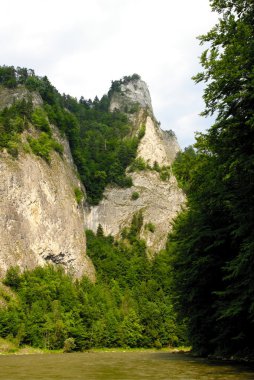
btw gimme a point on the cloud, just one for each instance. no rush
(82, 45)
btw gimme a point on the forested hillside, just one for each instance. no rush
(130, 305)
(212, 244)
(101, 142)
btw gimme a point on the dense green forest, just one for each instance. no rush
(101, 142)
(130, 305)
(212, 244)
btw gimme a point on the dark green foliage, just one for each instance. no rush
(150, 227)
(13, 121)
(213, 240)
(12, 278)
(99, 232)
(129, 306)
(142, 131)
(40, 121)
(165, 172)
(7, 76)
(135, 227)
(134, 195)
(138, 164)
(183, 166)
(156, 166)
(43, 145)
(103, 151)
(100, 141)
(142, 291)
(116, 85)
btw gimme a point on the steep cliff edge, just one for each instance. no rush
(158, 200)
(40, 219)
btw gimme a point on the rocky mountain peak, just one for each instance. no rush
(129, 94)
(158, 197)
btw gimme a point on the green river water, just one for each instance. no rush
(118, 366)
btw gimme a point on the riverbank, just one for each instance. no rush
(8, 347)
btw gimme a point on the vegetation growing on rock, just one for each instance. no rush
(100, 141)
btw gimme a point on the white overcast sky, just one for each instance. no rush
(81, 45)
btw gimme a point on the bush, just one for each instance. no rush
(78, 195)
(40, 121)
(134, 195)
(12, 148)
(13, 121)
(44, 145)
(41, 146)
(142, 131)
(150, 227)
(156, 166)
(124, 181)
(165, 173)
(137, 165)
(57, 147)
(12, 277)
(69, 345)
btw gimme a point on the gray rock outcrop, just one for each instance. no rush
(134, 92)
(9, 95)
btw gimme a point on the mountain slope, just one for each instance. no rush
(154, 192)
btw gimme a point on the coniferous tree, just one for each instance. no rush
(213, 240)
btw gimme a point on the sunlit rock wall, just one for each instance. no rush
(160, 201)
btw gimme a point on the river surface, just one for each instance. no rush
(118, 366)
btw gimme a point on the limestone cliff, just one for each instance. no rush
(40, 220)
(133, 92)
(159, 200)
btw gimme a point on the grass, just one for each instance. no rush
(7, 347)
(127, 349)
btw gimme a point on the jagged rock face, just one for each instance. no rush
(157, 145)
(134, 92)
(160, 201)
(40, 220)
(8, 96)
